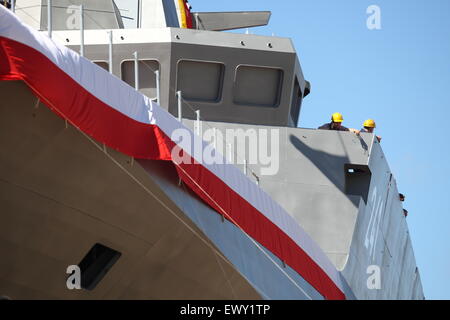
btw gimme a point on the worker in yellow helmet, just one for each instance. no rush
(336, 124)
(369, 126)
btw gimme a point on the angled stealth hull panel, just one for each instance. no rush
(357, 228)
(61, 194)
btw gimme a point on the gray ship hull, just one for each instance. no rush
(62, 191)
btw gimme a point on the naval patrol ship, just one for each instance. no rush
(93, 204)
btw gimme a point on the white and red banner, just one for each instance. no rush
(113, 113)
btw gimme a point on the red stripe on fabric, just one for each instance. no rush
(70, 100)
(73, 102)
(239, 211)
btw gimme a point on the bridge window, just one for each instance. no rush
(296, 102)
(200, 80)
(258, 86)
(103, 64)
(147, 78)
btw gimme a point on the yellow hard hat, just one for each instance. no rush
(369, 123)
(337, 117)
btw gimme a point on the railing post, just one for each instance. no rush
(157, 86)
(245, 166)
(136, 71)
(197, 113)
(110, 40)
(13, 5)
(81, 31)
(138, 15)
(180, 116)
(49, 18)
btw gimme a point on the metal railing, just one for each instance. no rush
(49, 18)
(229, 152)
(136, 71)
(81, 31)
(110, 51)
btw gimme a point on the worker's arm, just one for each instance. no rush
(354, 131)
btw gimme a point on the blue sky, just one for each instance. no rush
(400, 76)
